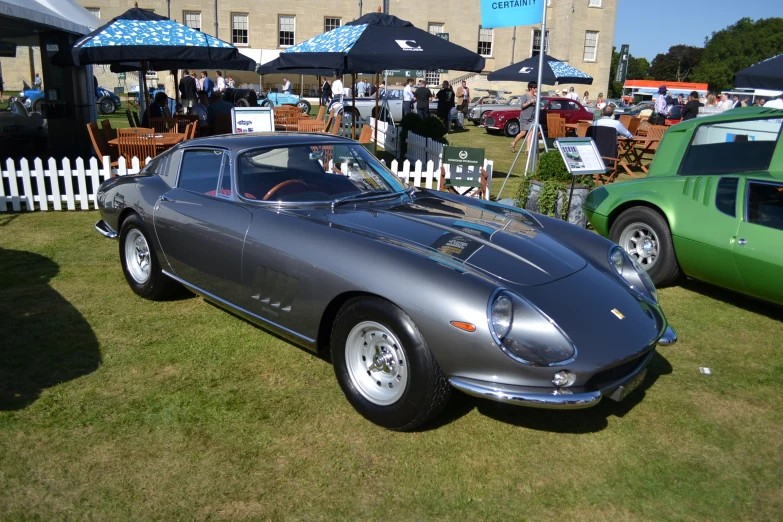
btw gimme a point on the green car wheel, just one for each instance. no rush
(645, 235)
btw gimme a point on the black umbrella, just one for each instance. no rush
(243, 63)
(378, 41)
(273, 67)
(763, 75)
(554, 71)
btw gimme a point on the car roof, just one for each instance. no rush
(253, 140)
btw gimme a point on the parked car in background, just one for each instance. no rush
(674, 114)
(482, 103)
(409, 292)
(509, 103)
(634, 110)
(710, 208)
(108, 102)
(276, 99)
(17, 123)
(507, 121)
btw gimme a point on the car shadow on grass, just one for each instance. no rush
(588, 420)
(46, 340)
(747, 303)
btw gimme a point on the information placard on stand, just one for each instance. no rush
(581, 158)
(252, 119)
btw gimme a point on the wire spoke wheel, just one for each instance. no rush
(641, 241)
(137, 256)
(376, 363)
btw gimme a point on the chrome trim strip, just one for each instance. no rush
(239, 309)
(669, 337)
(525, 396)
(105, 230)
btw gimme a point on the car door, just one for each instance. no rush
(200, 226)
(758, 249)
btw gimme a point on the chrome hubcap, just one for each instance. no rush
(640, 241)
(376, 363)
(137, 256)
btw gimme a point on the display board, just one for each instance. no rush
(252, 119)
(465, 166)
(581, 156)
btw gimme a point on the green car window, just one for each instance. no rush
(765, 204)
(731, 147)
(726, 196)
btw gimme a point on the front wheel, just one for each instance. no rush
(106, 105)
(384, 367)
(267, 103)
(645, 235)
(512, 128)
(36, 105)
(140, 263)
(304, 105)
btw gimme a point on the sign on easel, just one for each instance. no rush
(581, 156)
(252, 119)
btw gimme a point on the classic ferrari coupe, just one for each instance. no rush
(710, 208)
(411, 292)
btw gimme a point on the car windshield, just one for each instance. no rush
(515, 102)
(313, 173)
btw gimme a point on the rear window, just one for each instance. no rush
(765, 204)
(731, 147)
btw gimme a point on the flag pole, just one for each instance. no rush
(536, 122)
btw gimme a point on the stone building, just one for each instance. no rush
(579, 32)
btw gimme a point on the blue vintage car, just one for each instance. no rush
(276, 99)
(108, 102)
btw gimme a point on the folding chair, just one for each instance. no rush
(131, 122)
(136, 122)
(100, 143)
(312, 126)
(476, 184)
(108, 132)
(163, 125)
(321, 113)
(139, 142)
(366, 134)
(606, 142)
(625, 120)
(336, 124)
(633, 125)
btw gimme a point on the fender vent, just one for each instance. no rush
(275, 289)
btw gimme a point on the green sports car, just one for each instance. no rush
(711, 207)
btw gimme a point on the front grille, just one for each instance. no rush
(601, 379)
(490, 122)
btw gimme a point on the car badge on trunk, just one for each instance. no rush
(618, 314)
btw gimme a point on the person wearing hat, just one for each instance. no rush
(660, 102)
(558, 93)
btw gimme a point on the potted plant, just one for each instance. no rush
(547, 191)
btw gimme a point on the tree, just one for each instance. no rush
(736, 47)
(637, 70)
(677, 65)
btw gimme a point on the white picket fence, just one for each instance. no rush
(423, 149)
(75, 186)
(388, 136)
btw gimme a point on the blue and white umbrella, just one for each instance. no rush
(553, 72)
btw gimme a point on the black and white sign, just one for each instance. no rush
(581, 156)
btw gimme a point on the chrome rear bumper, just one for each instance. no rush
(105, 230)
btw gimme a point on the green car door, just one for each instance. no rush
(758, 248)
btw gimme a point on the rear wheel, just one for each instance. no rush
(384, 367)
(512, 128)
(645, 235)
(242, 102)
(304, 105)
(106, 105)
(36, 105)
(267, 103)
(140, 263)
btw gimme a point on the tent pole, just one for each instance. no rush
(377, 112)
(542, 50)
(145, 90)
(353, 112)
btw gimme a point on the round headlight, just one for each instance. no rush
(501, 316)
(645, 278)
(632, 273)
(617, 259)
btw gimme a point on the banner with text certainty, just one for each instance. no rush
(509, 13)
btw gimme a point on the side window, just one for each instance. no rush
(155, 166)
(200, 171)
(555, 106)
(726, 196)
(225, 177)
(731, 147)
(765, 204)
(572, 106)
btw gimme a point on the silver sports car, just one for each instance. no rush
(411, 292)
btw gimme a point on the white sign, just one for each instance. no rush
(252, 119)
(581, 156)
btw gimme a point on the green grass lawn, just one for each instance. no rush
(116, 408)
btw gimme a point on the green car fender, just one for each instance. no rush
(602, 206)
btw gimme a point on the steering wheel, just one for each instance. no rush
(283, 184)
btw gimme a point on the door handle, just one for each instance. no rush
(166, 198)
(741, 242)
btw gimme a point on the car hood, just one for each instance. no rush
(502, 242)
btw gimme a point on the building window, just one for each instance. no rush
(432, 78)
(192, 19)
(331, 23)
(239, 29)
(591, 46)
(435, 28)
(286, 30)
(535, 48)
(485, 42)
(95, 11)
(594, 3)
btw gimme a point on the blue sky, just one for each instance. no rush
(681, 22)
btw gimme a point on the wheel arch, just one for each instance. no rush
(330, 314)
(619, 209)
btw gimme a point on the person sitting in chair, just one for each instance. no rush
(157, 109)
(607, 120)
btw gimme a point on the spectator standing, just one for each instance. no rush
(220, 82)
(337, 89)
(187, 91)
(600, 103)
(445, 103)
(407, 97)
(360, 88)
(660, 101)
(777, 103)
(207, 84)
(759, 102)
(230, 84)
(287, 89)
(680, 99)
(423, 96)
(171, 91)
(199, 84)
(746, 102)
(326, 92)
(38, 82)
(463, 97)
(200, 107)
(725, 103)
(712, 101)
(572, 94)
(607, 120)
(691, 109)
(217, 105)
(586, 99)
(735, 101)
(527, 115)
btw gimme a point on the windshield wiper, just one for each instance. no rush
(366, 196)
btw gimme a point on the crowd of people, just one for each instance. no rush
(199, 95)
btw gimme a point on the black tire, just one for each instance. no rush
(267, 103)
(242, 102)
(36, 105)
(426, 390)
(304, 105)
(512, 128)
(665, 270)
(106, 105)
(157, 287)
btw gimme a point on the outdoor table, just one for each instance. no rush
(632, 150)
(571, 127)
(163, 141)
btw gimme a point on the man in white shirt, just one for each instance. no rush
(337, 89)
(220, 82)
(571, 94)
(607, 120)
(286, 86)
(777, 103)
(360, 88)
(407, 97)
(725, 103)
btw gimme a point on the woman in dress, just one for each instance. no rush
(600, 103)
(586, 99)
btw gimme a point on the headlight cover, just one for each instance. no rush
(632, 273)
(526, 334)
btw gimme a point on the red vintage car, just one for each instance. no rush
(508, 120)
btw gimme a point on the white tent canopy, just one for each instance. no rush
(22, 20)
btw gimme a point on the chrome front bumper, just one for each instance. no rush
(105, 230)
(553, 398)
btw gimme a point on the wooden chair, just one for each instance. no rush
(108, 132)
(605, 139)
(581, 128)
(477, 189)
(162, 125)
(555, 127)
(633, 125)
(190, 130)
(312, 126)
(656, 132)
(625, 120)
(183, 120)
(131, 122)
(329, 119)
(139, 142)
(101, 144)
(136, 122)
(222, 124)
(643, 126)
(336, 124)
(321, 113)
(366, 134)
